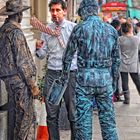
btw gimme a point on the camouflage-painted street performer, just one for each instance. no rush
(18, 71)
(98, 60)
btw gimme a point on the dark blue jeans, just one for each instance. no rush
(53, 110)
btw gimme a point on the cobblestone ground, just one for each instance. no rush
(127, 117)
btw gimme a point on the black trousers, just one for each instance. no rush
(53, 110)
(135, 77)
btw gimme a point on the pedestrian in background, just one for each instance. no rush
(98, 60)
(138, 34)
(116, 98)
(117, 25)
(54, 47)
(18, 71)
(129, 46)
(138, 29)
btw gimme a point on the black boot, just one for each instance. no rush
(126, 98)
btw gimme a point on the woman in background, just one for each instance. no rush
(129, 46)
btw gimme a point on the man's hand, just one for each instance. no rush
(39, 44)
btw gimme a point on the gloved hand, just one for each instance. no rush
(34, 88)
(35, 91)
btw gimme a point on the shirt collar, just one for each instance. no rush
(62, 24)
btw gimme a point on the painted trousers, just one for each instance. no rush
(84, 112)
(21, 116)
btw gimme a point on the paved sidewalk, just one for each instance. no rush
(127, 117)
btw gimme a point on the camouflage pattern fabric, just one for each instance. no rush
(17, 69)
(21, 117)
(98, 60)
(84, 108)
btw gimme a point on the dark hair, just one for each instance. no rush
(126, 27)
(61, 2)
(138, 24)
(115, 23)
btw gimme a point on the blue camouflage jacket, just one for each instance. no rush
(98, 53)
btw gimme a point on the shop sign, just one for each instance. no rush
(114, 6)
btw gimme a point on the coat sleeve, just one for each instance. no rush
(70, 51)
(23, 57)
(115, 61)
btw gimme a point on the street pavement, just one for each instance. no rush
(127, 118)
